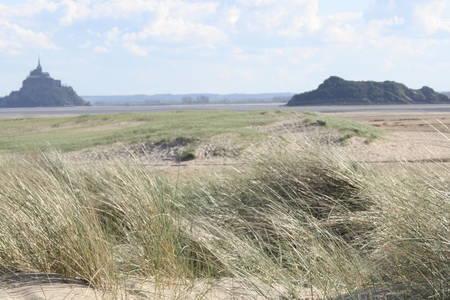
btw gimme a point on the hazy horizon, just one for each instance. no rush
(148, 47)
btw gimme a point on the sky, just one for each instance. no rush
(117, 47)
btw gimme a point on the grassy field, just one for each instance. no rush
(76, 133)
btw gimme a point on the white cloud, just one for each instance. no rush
(78, 10)
(173, 21)
(136, 49)
(233, 15)
(291, 55)
(431, 16)
(181, 21)
(100, 50)
(140, 25)
(278, 17)
(28, 8)
(420, 18)
(256, 3)
(113, 35)
(178, 30)
(307, 21)
(15, 38)
(75, 10)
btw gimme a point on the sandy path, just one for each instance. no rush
(218, 289)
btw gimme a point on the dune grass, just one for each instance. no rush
(298, 215)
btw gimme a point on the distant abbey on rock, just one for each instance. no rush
(41, 90)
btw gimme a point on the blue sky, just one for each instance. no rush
(105, 47)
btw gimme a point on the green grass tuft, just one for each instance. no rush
(345, 127)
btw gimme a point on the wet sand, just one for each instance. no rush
(92, 110)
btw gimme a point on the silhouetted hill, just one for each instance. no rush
(39, 90)
(337, 91)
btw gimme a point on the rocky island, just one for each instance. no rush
(39, 89)
(337, 91)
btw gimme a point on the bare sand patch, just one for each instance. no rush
(217, 289)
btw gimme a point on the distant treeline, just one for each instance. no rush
(188, 99)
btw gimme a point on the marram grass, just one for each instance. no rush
(302, 215)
